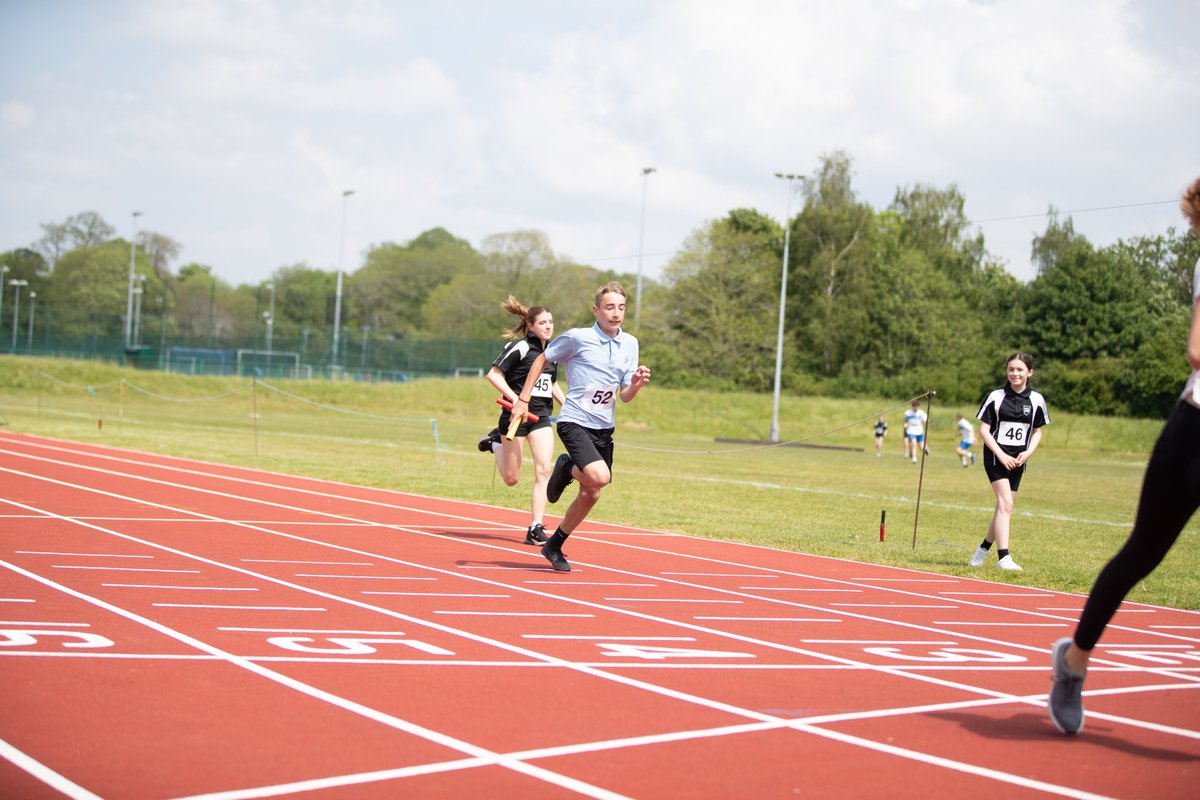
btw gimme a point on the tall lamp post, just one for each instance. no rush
(787, 240)
(337, 303)
(3, 272)
(138, 291)
(32, 308)
(269, 316)
(18, 283)
(129, 296)
(637, 307)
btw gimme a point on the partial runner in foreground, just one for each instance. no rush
(529, 334)
(1170, 496)
(601, 364)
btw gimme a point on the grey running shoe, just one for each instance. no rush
(555, 557)
(536, 534)
(979, 557)
(560, 478)
(1065, 702)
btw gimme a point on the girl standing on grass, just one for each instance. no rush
(528, 335)
(1170, 496)
(1010, 423)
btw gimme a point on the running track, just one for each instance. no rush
(173, 628)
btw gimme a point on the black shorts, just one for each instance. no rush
(525, 427)
(996, 471)
(586, 445)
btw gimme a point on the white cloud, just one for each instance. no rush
(236, 124)
(16, 114)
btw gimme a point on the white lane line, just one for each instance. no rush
(996, 594)
(1150, 646)
(507, 614)
(530, 568)
(82, 555)
(313, 563)
(48, 624)
(669, 600)
(365, 577)
(1176, 627)
(440, 594)
(879, 641)
(1007, 624)
(343, 703)
(882, 671)
(771, 619)
(185, 588)
(128, 569)
(17, 600)
(309, 630)
(235, 608)
(43, 773)
(888, 605)
(609, 638)
(597, 583)
(723, 575)
(794, 589)
(908, 580)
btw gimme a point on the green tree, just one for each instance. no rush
(88, 291)
(720, 306)
(832, 257)
(390, 290)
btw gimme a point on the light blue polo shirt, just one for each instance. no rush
(597, 366)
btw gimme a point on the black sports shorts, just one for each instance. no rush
(525, 427)
(996, 471)
(586, 445)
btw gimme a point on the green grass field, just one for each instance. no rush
(1073, 512)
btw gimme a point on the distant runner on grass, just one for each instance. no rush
(601, 364)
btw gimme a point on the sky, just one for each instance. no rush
(236, 126)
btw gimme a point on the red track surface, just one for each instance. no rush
(171, 628)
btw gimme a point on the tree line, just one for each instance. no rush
(880, 302)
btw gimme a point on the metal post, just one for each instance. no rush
(29, 335)
(787, 240)
(637, 303)
(337, 303)
(129, 296)
(18, 283)
(3, 272)
(137, 314)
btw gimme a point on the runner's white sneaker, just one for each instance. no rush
(979, 557)
(1008, 564)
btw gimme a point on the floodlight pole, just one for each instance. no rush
(17, 283)
(637, 303)
(32, 308)
(787, 240)
(129, 294)
(337, 303)
(3, 272)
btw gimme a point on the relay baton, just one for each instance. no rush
(516, 419)
(503, 401)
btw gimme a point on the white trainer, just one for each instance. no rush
(1008, 564)
(979, 557)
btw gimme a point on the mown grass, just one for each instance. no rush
(1073, 511)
